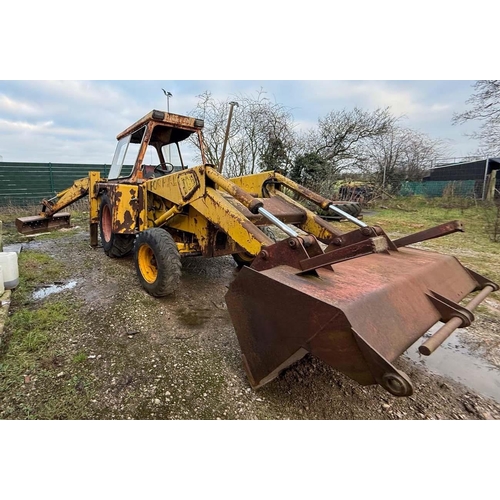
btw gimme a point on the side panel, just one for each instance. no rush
(124, 199)
(210, 241)
(179, 188)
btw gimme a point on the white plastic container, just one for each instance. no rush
(2, 287)
(10, 269)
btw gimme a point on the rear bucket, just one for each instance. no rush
(39, 224)
(358, 316)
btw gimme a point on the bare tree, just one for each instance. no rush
(400, 154)
(214, 113)
(341, 135)
(261, 136)
(485, 107)
(338, 144)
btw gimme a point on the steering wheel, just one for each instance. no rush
(164, 168)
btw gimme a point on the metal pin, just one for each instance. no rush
(347, 216)
(278, 223)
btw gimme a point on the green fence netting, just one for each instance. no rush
(29, 183)
(433, 189)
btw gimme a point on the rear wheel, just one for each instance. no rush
(352, 208)
(157, 262)
(114, 245)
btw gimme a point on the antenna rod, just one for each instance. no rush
(221, 162)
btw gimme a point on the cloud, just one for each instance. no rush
(9, 105)
(11, 126)
(410, 101)
(440, 107)
(7, 126)
(80, 92)
(78, 121)
(304, 125)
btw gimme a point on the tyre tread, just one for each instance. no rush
(168, 260)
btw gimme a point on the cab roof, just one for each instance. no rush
(180, 127)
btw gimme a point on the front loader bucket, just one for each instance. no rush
(40, 224)
(358, 316)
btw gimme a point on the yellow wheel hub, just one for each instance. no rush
(147, 263)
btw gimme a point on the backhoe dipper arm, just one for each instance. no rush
(78, 190)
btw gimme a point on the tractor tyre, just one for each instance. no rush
(352, 208)
(245, 258)
(157, 262)
(114, 245)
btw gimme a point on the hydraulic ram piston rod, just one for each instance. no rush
(347, 216)
(316, 198)
(253, 204)
(277, 222)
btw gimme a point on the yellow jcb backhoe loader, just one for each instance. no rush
(356, 300)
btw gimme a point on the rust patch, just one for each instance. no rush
(128, 220)
(306, 193)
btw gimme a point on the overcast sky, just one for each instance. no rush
(77, 121)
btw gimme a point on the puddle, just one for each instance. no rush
(41, 293)
(455, 361)
(193, 316)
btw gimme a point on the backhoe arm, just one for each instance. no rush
(78, 190)
(51, 216)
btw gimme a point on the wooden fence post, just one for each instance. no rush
(490, 193)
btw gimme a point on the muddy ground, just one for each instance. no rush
(123, 354)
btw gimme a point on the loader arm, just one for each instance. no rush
(225, 216)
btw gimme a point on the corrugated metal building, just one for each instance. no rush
(478, 170)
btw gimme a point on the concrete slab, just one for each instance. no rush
(16, 247)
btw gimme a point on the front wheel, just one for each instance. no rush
(245, 258)
(157, 262)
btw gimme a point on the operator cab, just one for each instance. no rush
(150, 148)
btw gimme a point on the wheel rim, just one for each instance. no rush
(147, 263)
(106, 223)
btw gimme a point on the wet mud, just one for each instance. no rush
(178, 357)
